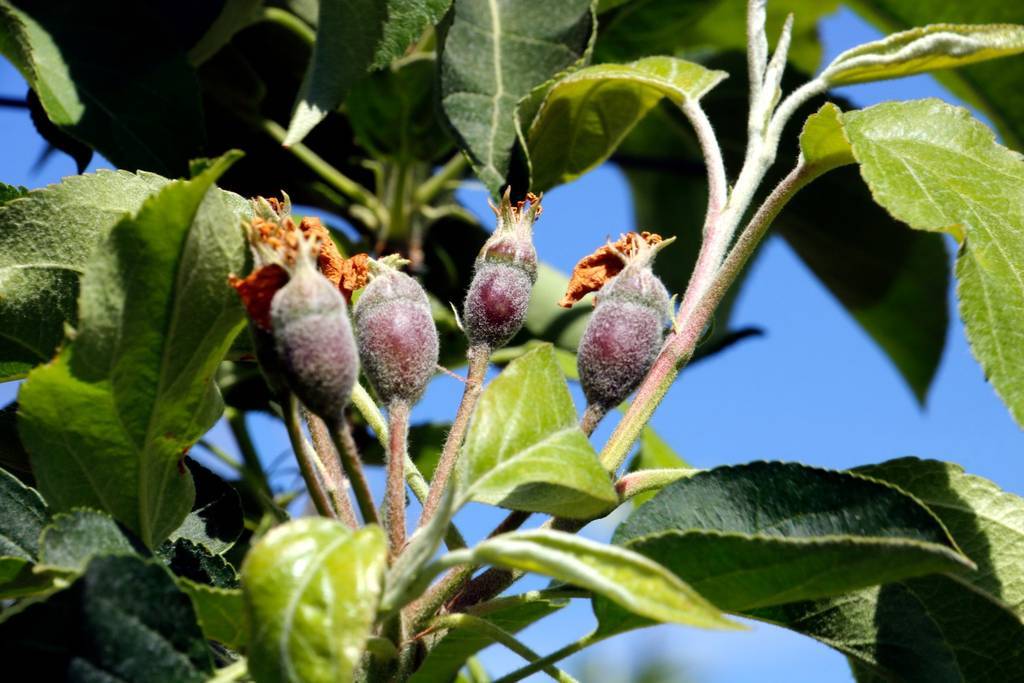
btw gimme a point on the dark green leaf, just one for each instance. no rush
(46, 239)
(525, 450)
(936, 629)
(450, 652)
(986, 522)
(493, 54)
(234, 15)
(123, 620)
(771, 533)
(23, 515)
(216, 519)
(107, 423)
(194, 562)
(57, 139)
(973, 188)
(9, 192)
(586, 114)
(311, 589)
(140, 111)
(73, 538)
(13, 456)
(352, 37)
(393, 112)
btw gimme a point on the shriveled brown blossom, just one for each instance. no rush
(594, 270)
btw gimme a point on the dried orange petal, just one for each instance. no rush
(355, 273)
(257, 289)
(594, 270)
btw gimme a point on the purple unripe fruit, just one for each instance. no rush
(503, 276)
(314, 341)
(396, 334)
(624, 335)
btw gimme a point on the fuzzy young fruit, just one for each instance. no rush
(395, 330)
(503, 276)
(313, 338)
(625, 332)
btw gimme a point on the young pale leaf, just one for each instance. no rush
(525, 450)
(587, 113)
(823, 142)
(935, 168)
(23, 515)
(771, 533)
(935, 628)
(421, 548)
(628, 579)
(353, 36)
(123, 619)
(929, 48)
(450, 652)
(492, 55)
(987, 522)
(654, 454)
(216, 519)
(142, 112)
(311, 589)
(72, 539)
(220, 612)
(108, 421)
(45, 241)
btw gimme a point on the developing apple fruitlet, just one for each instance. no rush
(398, 342)
(626, 330)
(313, 338)
(503, 276)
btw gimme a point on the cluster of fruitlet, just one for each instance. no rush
(318, 351)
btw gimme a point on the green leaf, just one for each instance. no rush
(220, 612)
(654, 454)
(23, 515)
(234, 15)
(992, 86)
(142, 112)
(46, 238)
(628, 579)
(935, 168)
(525, 450)
(547, 320)
(9, 192)
(353, 36)
(512, 614)
(928, 48)
(12, 453)
(404, 573)
(492, 55)
(392, 112)
(124, 620)
(107, 423)
(216, 520)
(987, 522)
(935, 629)
(311, 589)
(587, 113)
(73, 538)
(770, 533)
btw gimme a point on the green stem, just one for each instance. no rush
(499, 635)
(364, 403)
(440, 181)
(556, 656)
(394, 497)
(330, 460)
(345, 445)
(332, 176)
(287, 20)
(307, 459)
(478, 357)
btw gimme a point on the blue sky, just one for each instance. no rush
(814, 389)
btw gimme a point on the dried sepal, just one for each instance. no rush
(592, 272)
